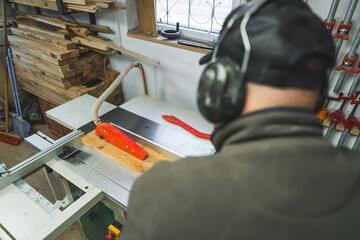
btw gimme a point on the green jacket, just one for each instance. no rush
(273, 177)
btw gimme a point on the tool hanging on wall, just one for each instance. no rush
(336, 117)
(330, 20)
(351, 120)
(187, 127)
(323, 113)
(345, 27)
(110, 133)
(348, 63)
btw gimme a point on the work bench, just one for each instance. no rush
(95, 175)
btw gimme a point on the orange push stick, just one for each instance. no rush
(175, 120)
(114, 136)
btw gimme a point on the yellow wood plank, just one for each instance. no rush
(43, 38)
(50, 53)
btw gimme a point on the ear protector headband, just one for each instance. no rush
(221, 91)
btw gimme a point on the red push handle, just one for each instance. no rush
(177, 121)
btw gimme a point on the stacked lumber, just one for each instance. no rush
(57, 69)
(91, 6)
(34, 26)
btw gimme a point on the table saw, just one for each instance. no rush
(87, 171)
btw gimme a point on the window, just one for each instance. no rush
(201, 19)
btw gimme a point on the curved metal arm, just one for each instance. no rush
(113, 86)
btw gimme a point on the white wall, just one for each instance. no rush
(174, 80)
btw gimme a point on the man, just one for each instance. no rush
(273, 176)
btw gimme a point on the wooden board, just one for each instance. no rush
(123, 50)
(50, 53)
(41, 73)
(146, 17)
(121, 157)
(63, 71)
(43, 38)
(38, 3)
(54, 21)
(56, 95)
(27, 23)
(102, 46)
(97, 28)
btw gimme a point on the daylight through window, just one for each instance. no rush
(204, 15)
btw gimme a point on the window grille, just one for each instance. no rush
(203, 15)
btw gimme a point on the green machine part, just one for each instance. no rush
(96, 221)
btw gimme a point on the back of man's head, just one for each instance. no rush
(290, 46)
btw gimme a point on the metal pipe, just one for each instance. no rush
(354, 85)
(329, 132)
(355, 45)
(350, 11)
(340, 80)
(113, 86)
(338, 44)
(332, 11)
(343, 138)
(356, 144)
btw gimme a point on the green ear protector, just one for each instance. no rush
(221, 90)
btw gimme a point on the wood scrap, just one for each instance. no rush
(43, 38)
(80, 31)
(102, 46)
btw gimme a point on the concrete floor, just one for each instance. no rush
(12, 155)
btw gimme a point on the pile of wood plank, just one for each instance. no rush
(34, 26)
(57, 69)
(91, 6)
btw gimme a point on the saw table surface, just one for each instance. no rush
(77, 113)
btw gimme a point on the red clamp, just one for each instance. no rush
(357, 69)
(177, 121)
(330, 26)
(337, 116)
(114, 136)
(355, 99)
(347, 64)
(343, 31)
(350, 122)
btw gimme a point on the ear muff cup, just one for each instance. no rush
(221, 95)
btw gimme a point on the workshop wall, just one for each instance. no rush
(321, 7)
(175, 79)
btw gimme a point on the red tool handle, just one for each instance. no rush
(177, 121)
(114, 136)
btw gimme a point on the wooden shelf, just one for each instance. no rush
(165, 41)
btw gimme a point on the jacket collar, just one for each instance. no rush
(267, 123)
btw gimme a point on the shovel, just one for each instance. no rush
(20, 126)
